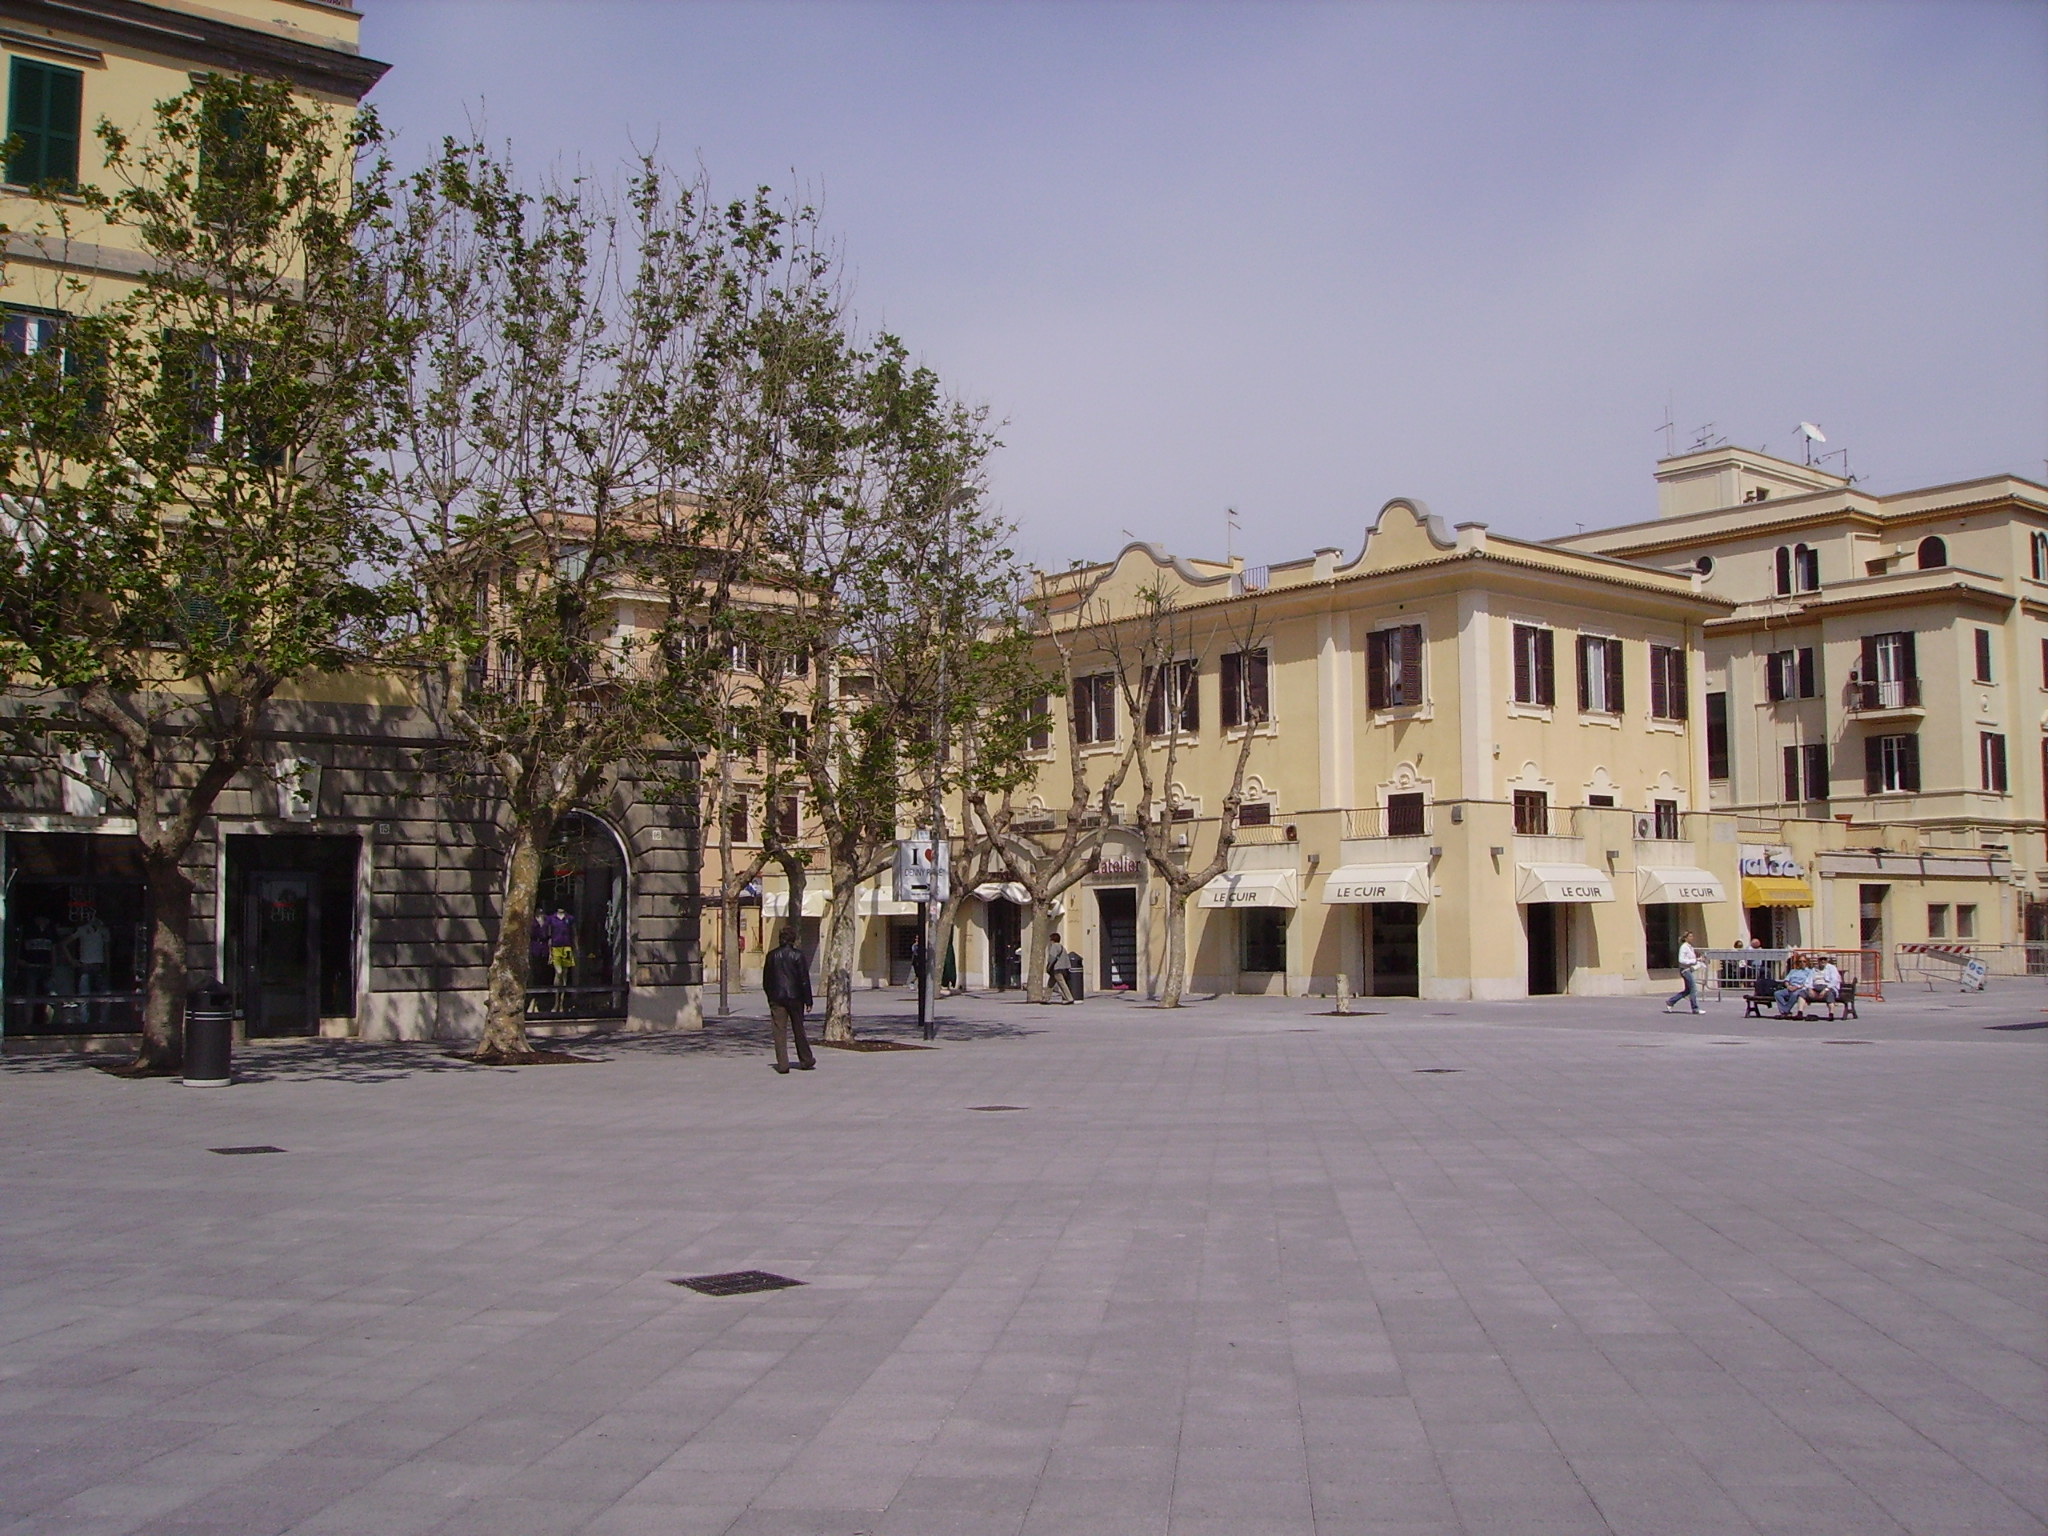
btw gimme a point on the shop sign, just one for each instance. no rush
(1778, 862)
(1122, 866)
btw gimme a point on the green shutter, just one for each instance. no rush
(43, 104)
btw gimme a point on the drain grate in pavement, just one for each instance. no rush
(1434, 1071)
(242, 1151)
(994, 1109)
(1848, 1042)
(1727, 1042)
(741, 1282)
(2034, 1024)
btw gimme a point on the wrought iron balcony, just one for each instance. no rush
(1896, 693)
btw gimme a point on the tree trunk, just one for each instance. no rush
(728, 945)
(163, 1006)
(504, 1035)
(1176, 947)
(1036, 943)
(839, 959)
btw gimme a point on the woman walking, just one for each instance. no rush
(1689, 968)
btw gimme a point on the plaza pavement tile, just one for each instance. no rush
(1243, 1269)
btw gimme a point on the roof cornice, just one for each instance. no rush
(203, 39)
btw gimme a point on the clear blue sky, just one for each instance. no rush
(1300, 258)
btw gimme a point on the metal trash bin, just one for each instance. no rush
(209, 1037)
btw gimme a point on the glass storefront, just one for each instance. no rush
(579, 940)
(77, 934)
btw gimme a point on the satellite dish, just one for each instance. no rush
(1812, 432)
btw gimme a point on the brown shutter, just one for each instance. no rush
(1613, 649)
(1681, 685)
(1867, 670)
(1791, 773)
(1376, 669)
(1411, 664)
(1546, 666)
(1585, 671)
(1909, 765)
(1907, 657)
(1525, 670)
(1155, 701)
(1873, 763)
(1084, 711)
(1233, 689)
(1257, 705)
(1190, 698)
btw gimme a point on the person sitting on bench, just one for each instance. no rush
(1793, 984)
(1825, 985)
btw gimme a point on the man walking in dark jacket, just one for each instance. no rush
(786, 978)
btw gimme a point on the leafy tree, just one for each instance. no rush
(188, 465)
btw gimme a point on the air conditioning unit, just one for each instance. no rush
(1642, 826)
(1293, 833)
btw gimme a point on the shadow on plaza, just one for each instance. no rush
(748, 1035)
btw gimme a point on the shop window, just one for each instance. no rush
(1393, 667)
(77, 934)
(1535, 651)
(1662, 924)
(1095, 709)
(1247, 688)
(1667, 683)
(1599, 675)
(1937, 920)
(1263, 936)
(580, 938)
(1532, 813)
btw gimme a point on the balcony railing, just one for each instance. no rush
(1389, 821)
(1897, 693)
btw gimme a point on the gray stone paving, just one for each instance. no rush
(1241, 1270)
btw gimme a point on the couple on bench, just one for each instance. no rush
(1808, 979)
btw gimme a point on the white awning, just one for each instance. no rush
(880, 901)
(1252, 888)
(1663, 887)
(776, 903)
(1378, 882)
(1562, 882)
(1008, 890)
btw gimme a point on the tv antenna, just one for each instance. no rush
(1706, 437)
(1670, 431)
(1812, 435)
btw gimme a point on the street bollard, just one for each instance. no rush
(1343, 992)
(209, 1037)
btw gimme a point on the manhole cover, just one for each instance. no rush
(739, 1283)
(242, 1151)
(1433, 1071)
(994, 1109)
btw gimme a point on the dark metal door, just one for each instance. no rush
(1545, 946)
(281, 976)
(1119, 913)
(1396, 949)
(1005, 946)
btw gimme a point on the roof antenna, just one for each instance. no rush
(1670, 431)
(1812, 435)
(1229, 534)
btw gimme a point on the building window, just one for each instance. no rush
(1263, 932)
(1532, 813)
(736, 820)
(1393, 667)
(1983, 644)
(1791, 674)
(1665, 814)
(1717, 736)
(2038, 544)
(1891, 765)
(581, 923)
(1806, 772)
(2044, 663)
(742, 656)
(1933, 553)
(1937, 920)
(1806, 567)
(1784, 570)
(1405, 816)
(1889, 675)
(1247, 698)
(1966, 920)
(789, 821)
(1038, 721)
(1535, 665)
(1255, 813)
(1991, 755)
(1599, 675)
(794, 736)
(1667, 683)
(1094, 709)
(1606, 802)
(1171, 699)
(43, 113)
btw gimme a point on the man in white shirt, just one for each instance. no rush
(1825, 985)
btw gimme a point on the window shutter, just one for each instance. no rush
(1792, 773)
(1983, 655)
(1190, 698)
(1155, 701)
(1614, 697)
(1660, 685)
(1908, 658)
(1376, 669)
(1256, 702)
(1681, 684)
(1774, 676)
(1585, 672)
(1546, 666)
(1411, 664)
(1809, 683)
(1084, 712)
(1909, 763)
(1233, 689)
(1525, 668)
(1784, 569)
(1817, 785)
(1717, 735)
(1867, 669)
(1873, 763)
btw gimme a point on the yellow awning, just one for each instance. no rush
(1775, 891)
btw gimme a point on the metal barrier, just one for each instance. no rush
(1736, 970)
(1939, 961)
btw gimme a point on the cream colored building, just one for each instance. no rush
(1480, 766)
(1884, 672)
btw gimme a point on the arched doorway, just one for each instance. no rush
(581, 928)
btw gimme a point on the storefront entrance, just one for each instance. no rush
(1395, 946)
(1549, 931)
(580, 939)
(77, 916)
(1005, 945)
(1117, 912)
(290, 931)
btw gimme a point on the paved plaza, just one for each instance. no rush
(1569, 1266)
